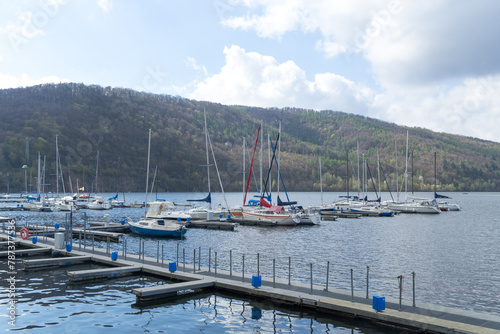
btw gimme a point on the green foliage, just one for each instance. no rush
(115, 122)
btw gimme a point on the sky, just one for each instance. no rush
(431, 64)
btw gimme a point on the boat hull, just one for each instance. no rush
(153, 232)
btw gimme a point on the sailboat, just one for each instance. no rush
(443, 200)
(155, 226)
(199, 213)
(413, 204)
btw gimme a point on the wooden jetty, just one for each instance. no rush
(212, 225)
(427, 318)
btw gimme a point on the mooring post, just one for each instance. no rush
(289, 270)
(367, 280)
(158, 251)
(352, 286)
(413, 277)
(215, 264)
(327, 273)
(258, 264)
(243, 269)
(209, 259)
(400, 280)
(231, 263)
(274, 273)
(194, 260)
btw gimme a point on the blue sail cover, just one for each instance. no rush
(207, 199)
(112, 198)
(436, 195)
(281, 203)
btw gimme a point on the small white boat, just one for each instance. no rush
(415, 205)
(272, 216)
(166, 210)
(157, 228)
(99, 204)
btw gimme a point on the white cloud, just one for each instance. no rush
(250, 78)
(105, 5)
(192, 63)
(11, 81)
(22, 31)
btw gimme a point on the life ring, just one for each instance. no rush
(24, 233)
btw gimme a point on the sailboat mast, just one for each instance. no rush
(378, 172)
(208, 160)
(320, 181)
(347, 174)
(397, 176)
(244, 171)
(57, 168)
(38, 176)
(96, 172)
(279, 161)
(435, 174)
(260, 161)
(147, 175)
(269, 167)
(406, 168)
(357, 145)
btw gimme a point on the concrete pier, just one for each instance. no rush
(430, 318)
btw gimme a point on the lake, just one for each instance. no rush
(455, 256)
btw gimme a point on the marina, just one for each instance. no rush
(328, 270)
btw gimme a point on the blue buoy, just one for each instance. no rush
(123, 222)
(69, 247)
(56, 226)
(172, 266)
(114, 256)
(178, 219)
(220, 216)
(256, 313)
(35, 239)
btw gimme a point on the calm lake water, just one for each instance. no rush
(455, 256)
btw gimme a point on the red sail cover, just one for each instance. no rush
(274, 208)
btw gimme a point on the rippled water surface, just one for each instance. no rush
(455, 256)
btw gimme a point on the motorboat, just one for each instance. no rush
(157, 228)
(166, 210)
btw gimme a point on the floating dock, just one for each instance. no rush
(434, 319)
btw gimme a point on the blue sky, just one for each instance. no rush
(432, 64)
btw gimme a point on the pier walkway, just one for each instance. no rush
(430, 318)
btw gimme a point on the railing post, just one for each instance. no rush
(400, 281)
(243, 269)
(258, 264)
(327, 274)
(215, 264)
(177, 255)
(194, 260)
(93, 242)
(143, 250)
(413, 277)
(162, 255)
(209, 259)
(311, 266)
(274, 273)
(289, 270)
(158, 251)
(125, 249)
(231, 263)
(184, 258)
(352, 286)
(367, 280)
(199, 258)
(79, 239)
(107, 244)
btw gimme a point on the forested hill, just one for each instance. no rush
(115, 123)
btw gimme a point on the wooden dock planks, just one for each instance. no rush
(93, 274)
(168, 290)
